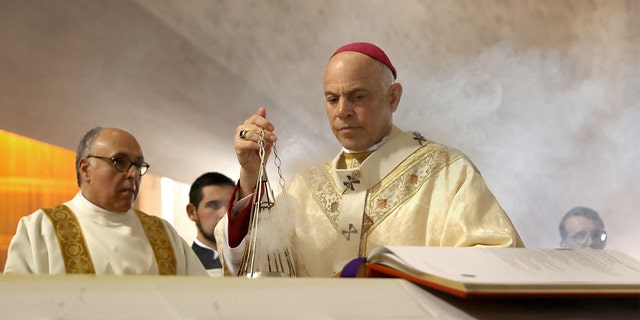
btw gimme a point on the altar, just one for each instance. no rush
(170, 297)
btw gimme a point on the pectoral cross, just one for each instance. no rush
(351, 180)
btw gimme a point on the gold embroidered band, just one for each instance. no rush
(70, 239)
(159, 240)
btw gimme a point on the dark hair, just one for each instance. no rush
(578, 212)
(207, 179)
(84, 147)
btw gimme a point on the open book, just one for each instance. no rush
(524, 272)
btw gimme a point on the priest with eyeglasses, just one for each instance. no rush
(99, 231)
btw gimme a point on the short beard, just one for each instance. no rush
(207, 235)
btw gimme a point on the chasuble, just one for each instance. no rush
(409, 192)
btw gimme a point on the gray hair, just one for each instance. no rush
(386, 75)
(84, 147)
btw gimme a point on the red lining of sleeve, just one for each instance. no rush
(238, 226)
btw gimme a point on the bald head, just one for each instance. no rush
(101, 182)
(350, 62)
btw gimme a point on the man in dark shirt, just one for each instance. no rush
(208, 199)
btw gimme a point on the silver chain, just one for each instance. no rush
(278, 163)
(276, 159)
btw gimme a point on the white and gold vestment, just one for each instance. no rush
(129, 243)
(409, 192)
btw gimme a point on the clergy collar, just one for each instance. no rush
(97, 208)
(393, 132)
(372, 148)
(201, 244)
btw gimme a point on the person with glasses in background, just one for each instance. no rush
(582, 227)
(99, 231)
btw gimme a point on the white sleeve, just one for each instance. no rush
(34, 248)
(231, 257)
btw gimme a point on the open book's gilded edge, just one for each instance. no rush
(379, 271)
(514, 290)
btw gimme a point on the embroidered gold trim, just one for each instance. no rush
(159, 240)
(389, 193)
(405, 180)
(73, 247)
(324, 191)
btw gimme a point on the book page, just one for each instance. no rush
(518, 265)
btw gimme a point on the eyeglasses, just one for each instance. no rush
(123, 164)
(595, 235)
